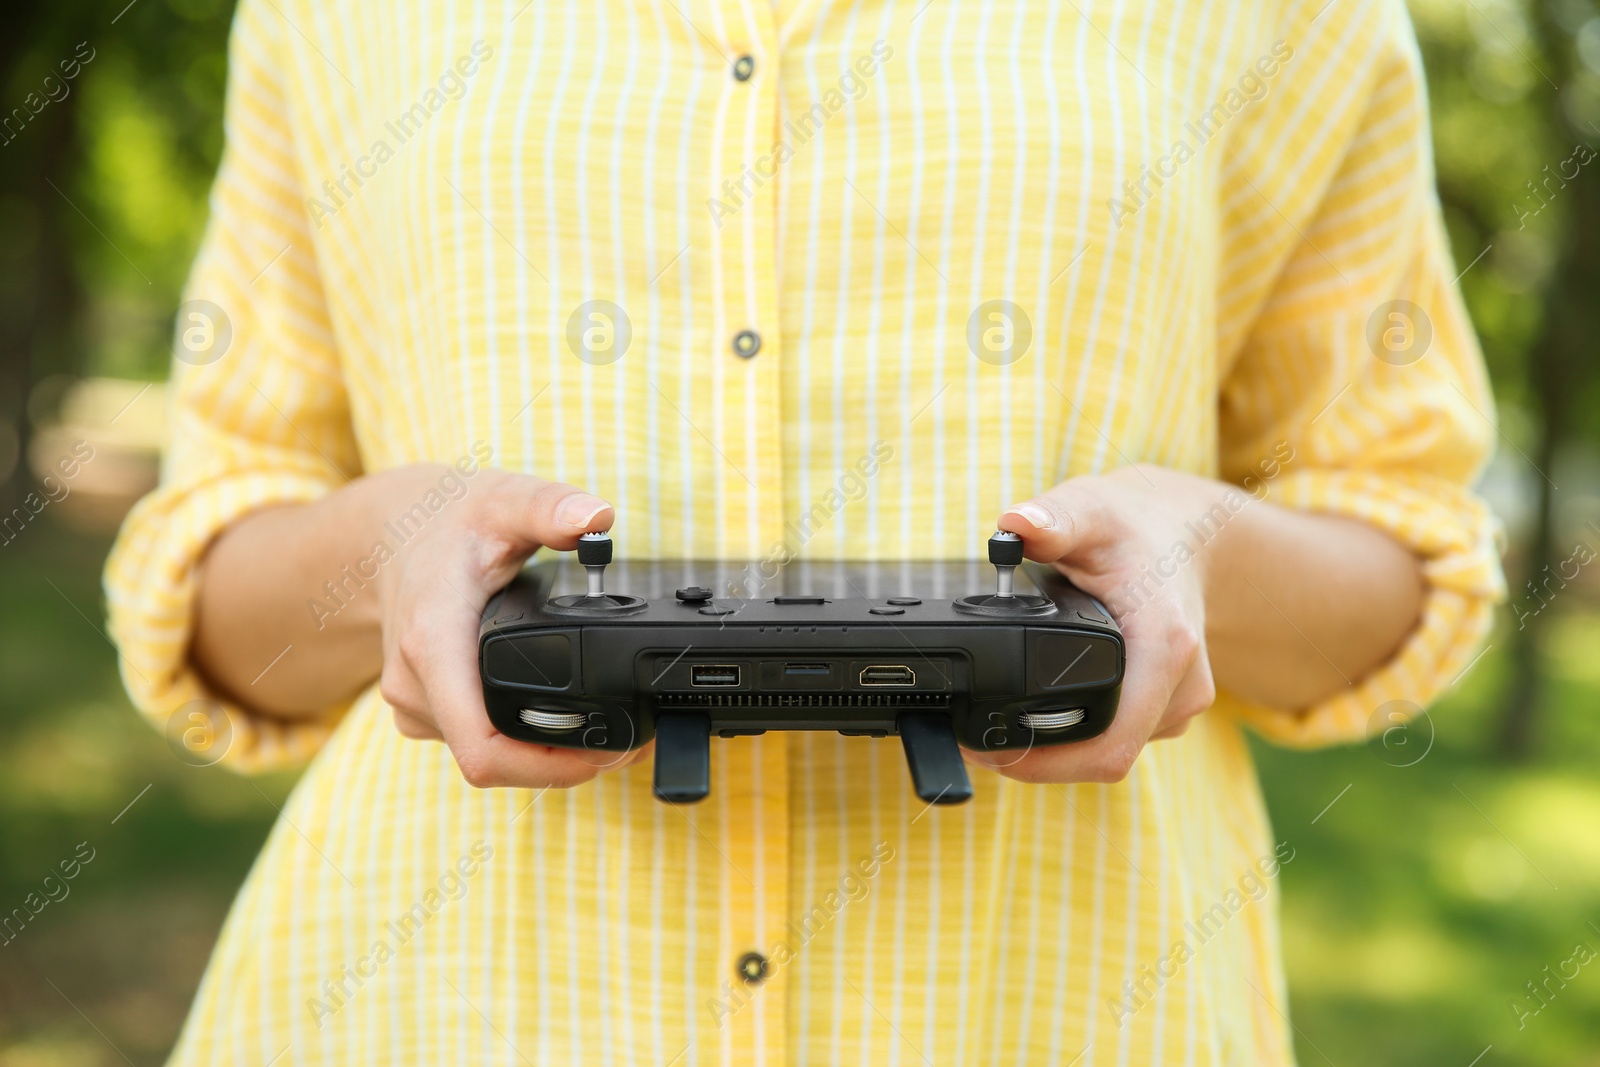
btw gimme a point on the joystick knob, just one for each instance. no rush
(1005, 552)
(594, 553)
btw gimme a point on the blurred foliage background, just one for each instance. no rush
(1446, 876)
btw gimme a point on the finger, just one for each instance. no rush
(610, 760)
(415, 728)
(1194, 694)
(529, 512)
(487, 758)
(397, 682)
(1054, 524)
(1147, 688)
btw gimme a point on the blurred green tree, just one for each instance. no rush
(102, 198)
(110, 130)
(1516, 104)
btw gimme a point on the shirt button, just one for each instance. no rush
(746, 343)
(752, 967)
(743, 67)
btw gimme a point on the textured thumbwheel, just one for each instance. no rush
(594, 549)
(1005, 550)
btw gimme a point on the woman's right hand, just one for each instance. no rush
(431, 596)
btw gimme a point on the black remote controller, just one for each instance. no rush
(861, 648)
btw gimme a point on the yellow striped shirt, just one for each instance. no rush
(802, 215)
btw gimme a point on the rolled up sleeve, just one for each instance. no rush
(1361, 379)
(258, 413)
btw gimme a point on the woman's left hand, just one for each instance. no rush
(1127, 538)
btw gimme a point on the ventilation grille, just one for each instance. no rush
(803, 700)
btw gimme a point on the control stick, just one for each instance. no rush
(594, 553)
(1005, 552)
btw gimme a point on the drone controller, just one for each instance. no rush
(872, 649)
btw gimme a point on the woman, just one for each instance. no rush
(481, 278)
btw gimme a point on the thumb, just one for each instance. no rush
(530, 512)
(1050, 524)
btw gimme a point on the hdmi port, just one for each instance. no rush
(713, 674)
(888, 675)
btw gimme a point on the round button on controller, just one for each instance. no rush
(903, 601)
(693, 594)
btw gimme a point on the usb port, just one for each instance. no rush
(886, 674)
(713, 674)
(806, 670)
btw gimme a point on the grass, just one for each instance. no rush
(1443, 879)
(104, 974)
(1420, 901)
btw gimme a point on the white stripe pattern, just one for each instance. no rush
(1209, 314)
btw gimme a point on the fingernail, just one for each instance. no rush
(579, 509)
(1037, 516)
